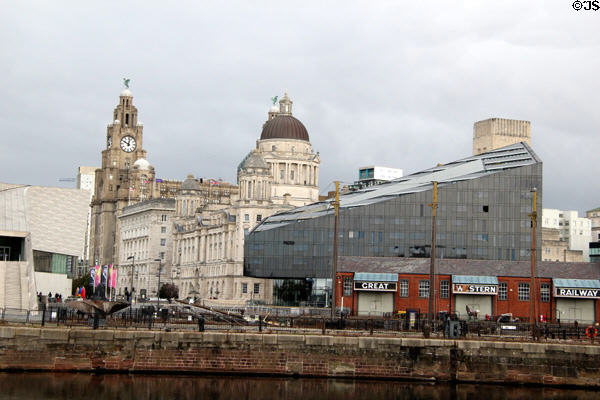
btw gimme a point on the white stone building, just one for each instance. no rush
(145, 237)
(574, 230)
(282, 172)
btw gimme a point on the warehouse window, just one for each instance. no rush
(502, 291)
(523, 291)
(545, 292)
(424, 288)
(404, 288)
(445, 289)
(347, 286)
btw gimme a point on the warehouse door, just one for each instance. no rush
(375, 303)
(474, 302)
(571, 310)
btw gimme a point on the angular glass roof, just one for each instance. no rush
(508, 157)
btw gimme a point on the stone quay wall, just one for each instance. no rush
(307, 355)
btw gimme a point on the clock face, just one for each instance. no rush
(128, 144)
(109, 142)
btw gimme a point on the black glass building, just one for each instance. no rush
(484, 207)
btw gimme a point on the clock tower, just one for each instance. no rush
(125, 177)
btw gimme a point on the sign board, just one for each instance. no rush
(577, 293)
(472, 288)
(375, 286)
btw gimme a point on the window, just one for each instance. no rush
(258, 217)
(445, 289)
(486, 208)
(523, 291)
(162, 255)
(292, 175)
(246, 231)
(256, 288)
(347, 286)
(502, 291)
(404, 288)
(163, 229)
(545, 292)
(163, 242)
(246, 217)
(281, 174)
(244, 287)
(163, 217)
(423, 288)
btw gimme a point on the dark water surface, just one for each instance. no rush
(68, 386)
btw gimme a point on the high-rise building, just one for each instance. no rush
(86, 177)
(494, 133)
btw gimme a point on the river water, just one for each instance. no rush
(74, 386)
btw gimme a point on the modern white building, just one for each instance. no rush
(42, 232)
(574, 230)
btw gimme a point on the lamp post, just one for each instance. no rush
(132, 258)
(158, 291)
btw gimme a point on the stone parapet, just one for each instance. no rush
(441, 360)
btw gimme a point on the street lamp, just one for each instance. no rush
(132, 258)
(158, 291)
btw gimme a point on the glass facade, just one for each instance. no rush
(302, 292)
(485, 217)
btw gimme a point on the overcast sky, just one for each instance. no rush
(395, 84)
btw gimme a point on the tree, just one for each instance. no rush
(83, 281)
(168, 291)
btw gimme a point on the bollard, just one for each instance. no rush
(564, 334)
(201, 324)
(323, 326)
(259, 324)
(96, 320)
(43, 315)
(370, 326)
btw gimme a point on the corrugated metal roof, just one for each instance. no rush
(577, 283)
(476, 279)
(375, 277)
(447, 266)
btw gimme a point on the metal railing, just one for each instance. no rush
(261, 320)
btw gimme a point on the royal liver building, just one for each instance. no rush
(280, 173)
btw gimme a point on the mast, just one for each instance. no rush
(336, 207)
(432, 285)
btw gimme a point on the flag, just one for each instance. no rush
(113, 277)
(98, 275)
(158, 180)
(83, 292)
(92, 276)
(104, 279)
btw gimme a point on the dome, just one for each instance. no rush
(141, 164)
(255, 160)
(126, 93)
(190, 183)
(284, 127)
